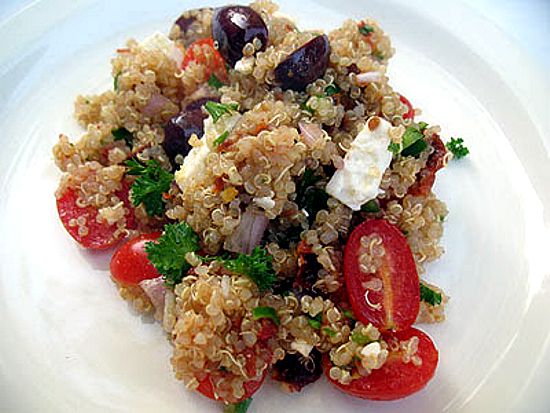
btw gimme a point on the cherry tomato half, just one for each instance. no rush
(203, 52)
(130, 265)
(395, 379)
(100, 235)
(389, 298)
(206, 387)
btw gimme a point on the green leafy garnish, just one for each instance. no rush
(266, 312)
(214, 81)
(241, 407)
(360, 339)
(379, 55)
(429, 296)
(257, 266)
(115, 81)
(315, 322)
(456, 146)
(366, 29)
(422, 126)
(413, 141)
(123, 134)
(217, 110)
(415, 149)
(220, 139)
(394, 148)
(168, 252)
(371, 207)
(349, 314)
(151, 184)
(332, 90)
(304, 106)
(329, 331)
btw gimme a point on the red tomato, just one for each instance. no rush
(395, 379)
(206, 387)
(214, 62)
(100, 234)
(410, 112)
(390, 297)
(130, 264)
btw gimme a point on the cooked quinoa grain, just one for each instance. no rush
(252, 259)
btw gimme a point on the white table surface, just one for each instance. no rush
(527, 22)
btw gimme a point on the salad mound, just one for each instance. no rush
(269, 195)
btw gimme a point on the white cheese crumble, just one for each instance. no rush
(373, 356)
(301, 347)
(364, 164)
(194, 163)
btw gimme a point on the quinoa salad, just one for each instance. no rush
(268, 198)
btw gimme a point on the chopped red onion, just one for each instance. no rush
(155, 290)
(248, 233)
(311, 132)
(155, 105)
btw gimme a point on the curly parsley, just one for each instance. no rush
(241, 407)
(168, 252)
(266, 312)
(429, 295)
(257, 266)
(456, 146)
(214, 81)
(151, 183)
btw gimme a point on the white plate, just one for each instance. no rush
(68, 343)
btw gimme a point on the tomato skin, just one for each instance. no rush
(130, 265)
(426, 177)
(410, 113)
(215, 65)
(395, 306)
(395, 379)
(100, 234)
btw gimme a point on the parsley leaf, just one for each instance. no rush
(332, 90)
(379, 55)
(360, 339)
(214, 82)
(349, 314)
(168, 252)
(123, 134)
(429, 296)
(329, 331)
(151, 184)
(456, 146)
(366, 29)
(221, 138)
(413, 140)
(394, 148)
(371, 207)
(315, 322)
(257, 266)
(240, 407)
(217, 110)
(415, 149)
(422, 126)
(266, 312)
(115, 81)
(307, 108)
(411, 135)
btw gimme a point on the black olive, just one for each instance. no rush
(235, 26)
(297, 371)
(304, 65)
(179, 129)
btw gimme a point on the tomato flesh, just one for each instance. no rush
(410, 113)
(214, 63)
(426, 177)
(130, 265)
(100, 234)
(390, 297)
(395, 379)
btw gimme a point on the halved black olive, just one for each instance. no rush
(304, 65)
(297, 371)
(235, 26)
(179, 129)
